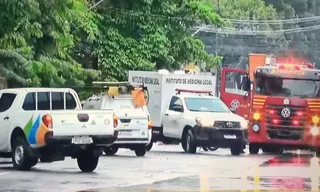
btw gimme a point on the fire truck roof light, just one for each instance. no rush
(193, 91)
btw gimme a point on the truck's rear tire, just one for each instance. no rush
(254, 149)
(21, 158)
(87, 161)
(149, 146)
(140, 151)
(236, 149)
(110, 151)
(188, 142)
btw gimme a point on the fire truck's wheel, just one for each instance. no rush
(318, 152)
(189, 143)
(254, 149)
(149, 146)
(20, 155)
(87, 161)
(236, 149)
(109, 151)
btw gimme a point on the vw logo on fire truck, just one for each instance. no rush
(285, 112)
(235, 104)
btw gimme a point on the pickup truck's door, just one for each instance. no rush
(172, 117)
(231, 92)
(167, 123)
(6, 111)
(82, 122)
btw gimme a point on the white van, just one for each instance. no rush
(134, 125)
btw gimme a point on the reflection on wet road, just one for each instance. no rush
(166, 168)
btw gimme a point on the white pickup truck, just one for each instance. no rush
(183, 109)
(49, 123)
(134, 124)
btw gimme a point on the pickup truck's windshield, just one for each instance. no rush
(206, 105)
(288, 87)
(119, 104)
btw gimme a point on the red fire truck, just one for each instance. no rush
(280, 99)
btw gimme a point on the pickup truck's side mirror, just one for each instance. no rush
(178, 108)
(232, 110)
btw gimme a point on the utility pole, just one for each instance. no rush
(218, 6)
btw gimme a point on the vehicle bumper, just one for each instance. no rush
(305, 142)
(105, 140)
(132, 141)
(216, 137)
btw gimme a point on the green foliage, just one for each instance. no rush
(150, 34)
(36, 42)
(63, 42)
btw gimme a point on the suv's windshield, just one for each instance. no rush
(206, 105)
(288, 87)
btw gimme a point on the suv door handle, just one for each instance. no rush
(6, 118)
(166, 114)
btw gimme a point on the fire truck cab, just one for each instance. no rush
(280, 99)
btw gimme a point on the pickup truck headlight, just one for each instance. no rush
(204, 122)
(244, 124)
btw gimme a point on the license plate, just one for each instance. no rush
(82, 140)
(230, 136)
(125, 133)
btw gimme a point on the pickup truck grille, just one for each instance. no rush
(227, 124)
(285, 127)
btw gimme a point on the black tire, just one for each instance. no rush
(149, 146)
(205, 148)
(189, 143)
(87, 161)
(213, 148)
(21, 155)
(254, 149)
(274, 150)
(236, 149)
(317, 152)
(45, 160)
(140, 151)
(110, 151)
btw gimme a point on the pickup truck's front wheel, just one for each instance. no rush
(236, 149)
(21, 158)
(87, 161)
(188, 142)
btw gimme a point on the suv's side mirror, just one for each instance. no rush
(178, 108)
(232, 110)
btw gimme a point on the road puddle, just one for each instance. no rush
(288, 172)
(290, 160)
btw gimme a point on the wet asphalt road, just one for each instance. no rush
(167, 168)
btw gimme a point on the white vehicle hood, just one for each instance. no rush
(218, 116)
